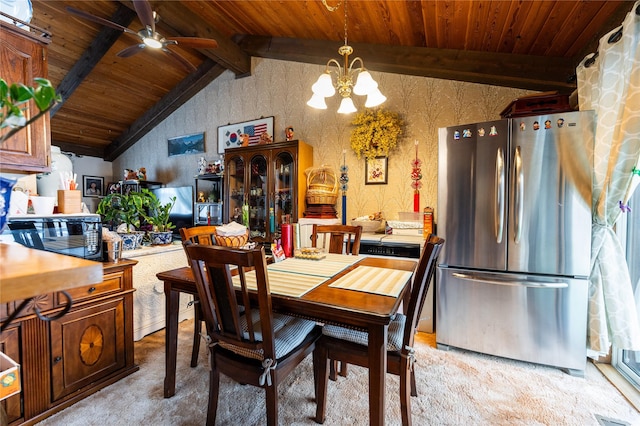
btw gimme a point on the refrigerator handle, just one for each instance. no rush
(519, 195)
(515, 281)
(498, 222)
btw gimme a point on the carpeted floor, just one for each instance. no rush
(455, 388)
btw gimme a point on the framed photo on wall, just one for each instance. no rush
(230, 135)
(376, 171)
(189, 144)
(92, 186)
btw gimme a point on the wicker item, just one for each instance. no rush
(235, 241)
(322, 185)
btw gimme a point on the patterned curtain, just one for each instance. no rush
(609, 84)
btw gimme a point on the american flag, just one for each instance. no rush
(254, 132)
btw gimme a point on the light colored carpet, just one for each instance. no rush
(455, 388)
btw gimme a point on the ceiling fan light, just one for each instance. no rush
(152, 42)
(375, 98)
(317, 101)
(324, 86)
(346, 106)
(365, 84)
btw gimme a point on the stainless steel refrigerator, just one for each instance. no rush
(514, 206)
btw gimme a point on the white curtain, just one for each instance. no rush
(609, 84)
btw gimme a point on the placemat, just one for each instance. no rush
(285, 283)
(327, 267)
(370, 279)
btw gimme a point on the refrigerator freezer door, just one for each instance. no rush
(472, 194)
(537, 319)
(550, 210)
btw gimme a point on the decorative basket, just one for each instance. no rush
(322, 185)
(235, 241)
(369, 225)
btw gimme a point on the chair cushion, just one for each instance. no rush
(394, 335)
(289, 332)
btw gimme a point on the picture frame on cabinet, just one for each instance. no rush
(230, 135)
(92, 186)
(375, 172)
(188, 144)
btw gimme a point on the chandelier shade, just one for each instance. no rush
(345, 75)
(317, 102)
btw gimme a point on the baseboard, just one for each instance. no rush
(621, 383)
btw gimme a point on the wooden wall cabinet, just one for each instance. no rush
(68, 359)
(23, 57)
(269, 182)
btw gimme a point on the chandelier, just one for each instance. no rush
(345, 75)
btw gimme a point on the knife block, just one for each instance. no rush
(69, 201)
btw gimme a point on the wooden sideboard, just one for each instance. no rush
(65, 360)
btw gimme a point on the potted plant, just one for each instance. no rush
(157, 215)
(123, 212)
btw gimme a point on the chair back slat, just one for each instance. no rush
(213, 269)
(421, 280)
(343, 239)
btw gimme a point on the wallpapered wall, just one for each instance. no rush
(281, 89)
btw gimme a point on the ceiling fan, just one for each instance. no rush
(148, 36)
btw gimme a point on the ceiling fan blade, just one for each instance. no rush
(196, 42)
(145, 13)
(131, 50)
(180, 60)
(102, 21)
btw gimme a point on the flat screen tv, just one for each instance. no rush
(182, 213)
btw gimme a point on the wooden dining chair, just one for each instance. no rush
(204, 235)
(249, 343)
(338, 239)
(347, 345)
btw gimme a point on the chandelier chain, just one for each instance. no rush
(345, 22)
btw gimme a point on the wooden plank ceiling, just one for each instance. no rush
(111, 102)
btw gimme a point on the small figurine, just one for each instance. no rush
(265, 138)
(245, 139)
(201, 198)
(288, 133)
(202, 165)
(141, 173)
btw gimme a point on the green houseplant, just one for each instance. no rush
(123, 213)
(157, 215)
(14, 100)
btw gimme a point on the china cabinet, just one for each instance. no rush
(265, 186)
(209, 196)
(67, 359)
(23, 57)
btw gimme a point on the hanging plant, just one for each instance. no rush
(376, 133)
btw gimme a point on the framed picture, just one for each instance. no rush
(189, 144)
(375, 171)
(92, 186)
(230, 136)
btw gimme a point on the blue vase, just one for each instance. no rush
(6, 186)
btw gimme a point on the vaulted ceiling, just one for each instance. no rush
(110, 102)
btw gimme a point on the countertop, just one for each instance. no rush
(26, 272)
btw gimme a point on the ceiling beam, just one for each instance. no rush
(499, 69)
(92, 56)
(181, 93)
(89, 151)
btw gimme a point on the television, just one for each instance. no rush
(182, 213)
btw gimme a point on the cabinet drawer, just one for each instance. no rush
(111, 283)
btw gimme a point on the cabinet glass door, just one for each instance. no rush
(282, 203)
(258, 207)
(236, 196)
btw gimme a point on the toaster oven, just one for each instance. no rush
(78, 235)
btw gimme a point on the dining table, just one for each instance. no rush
(358, 292)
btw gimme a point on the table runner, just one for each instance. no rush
(370, 279)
